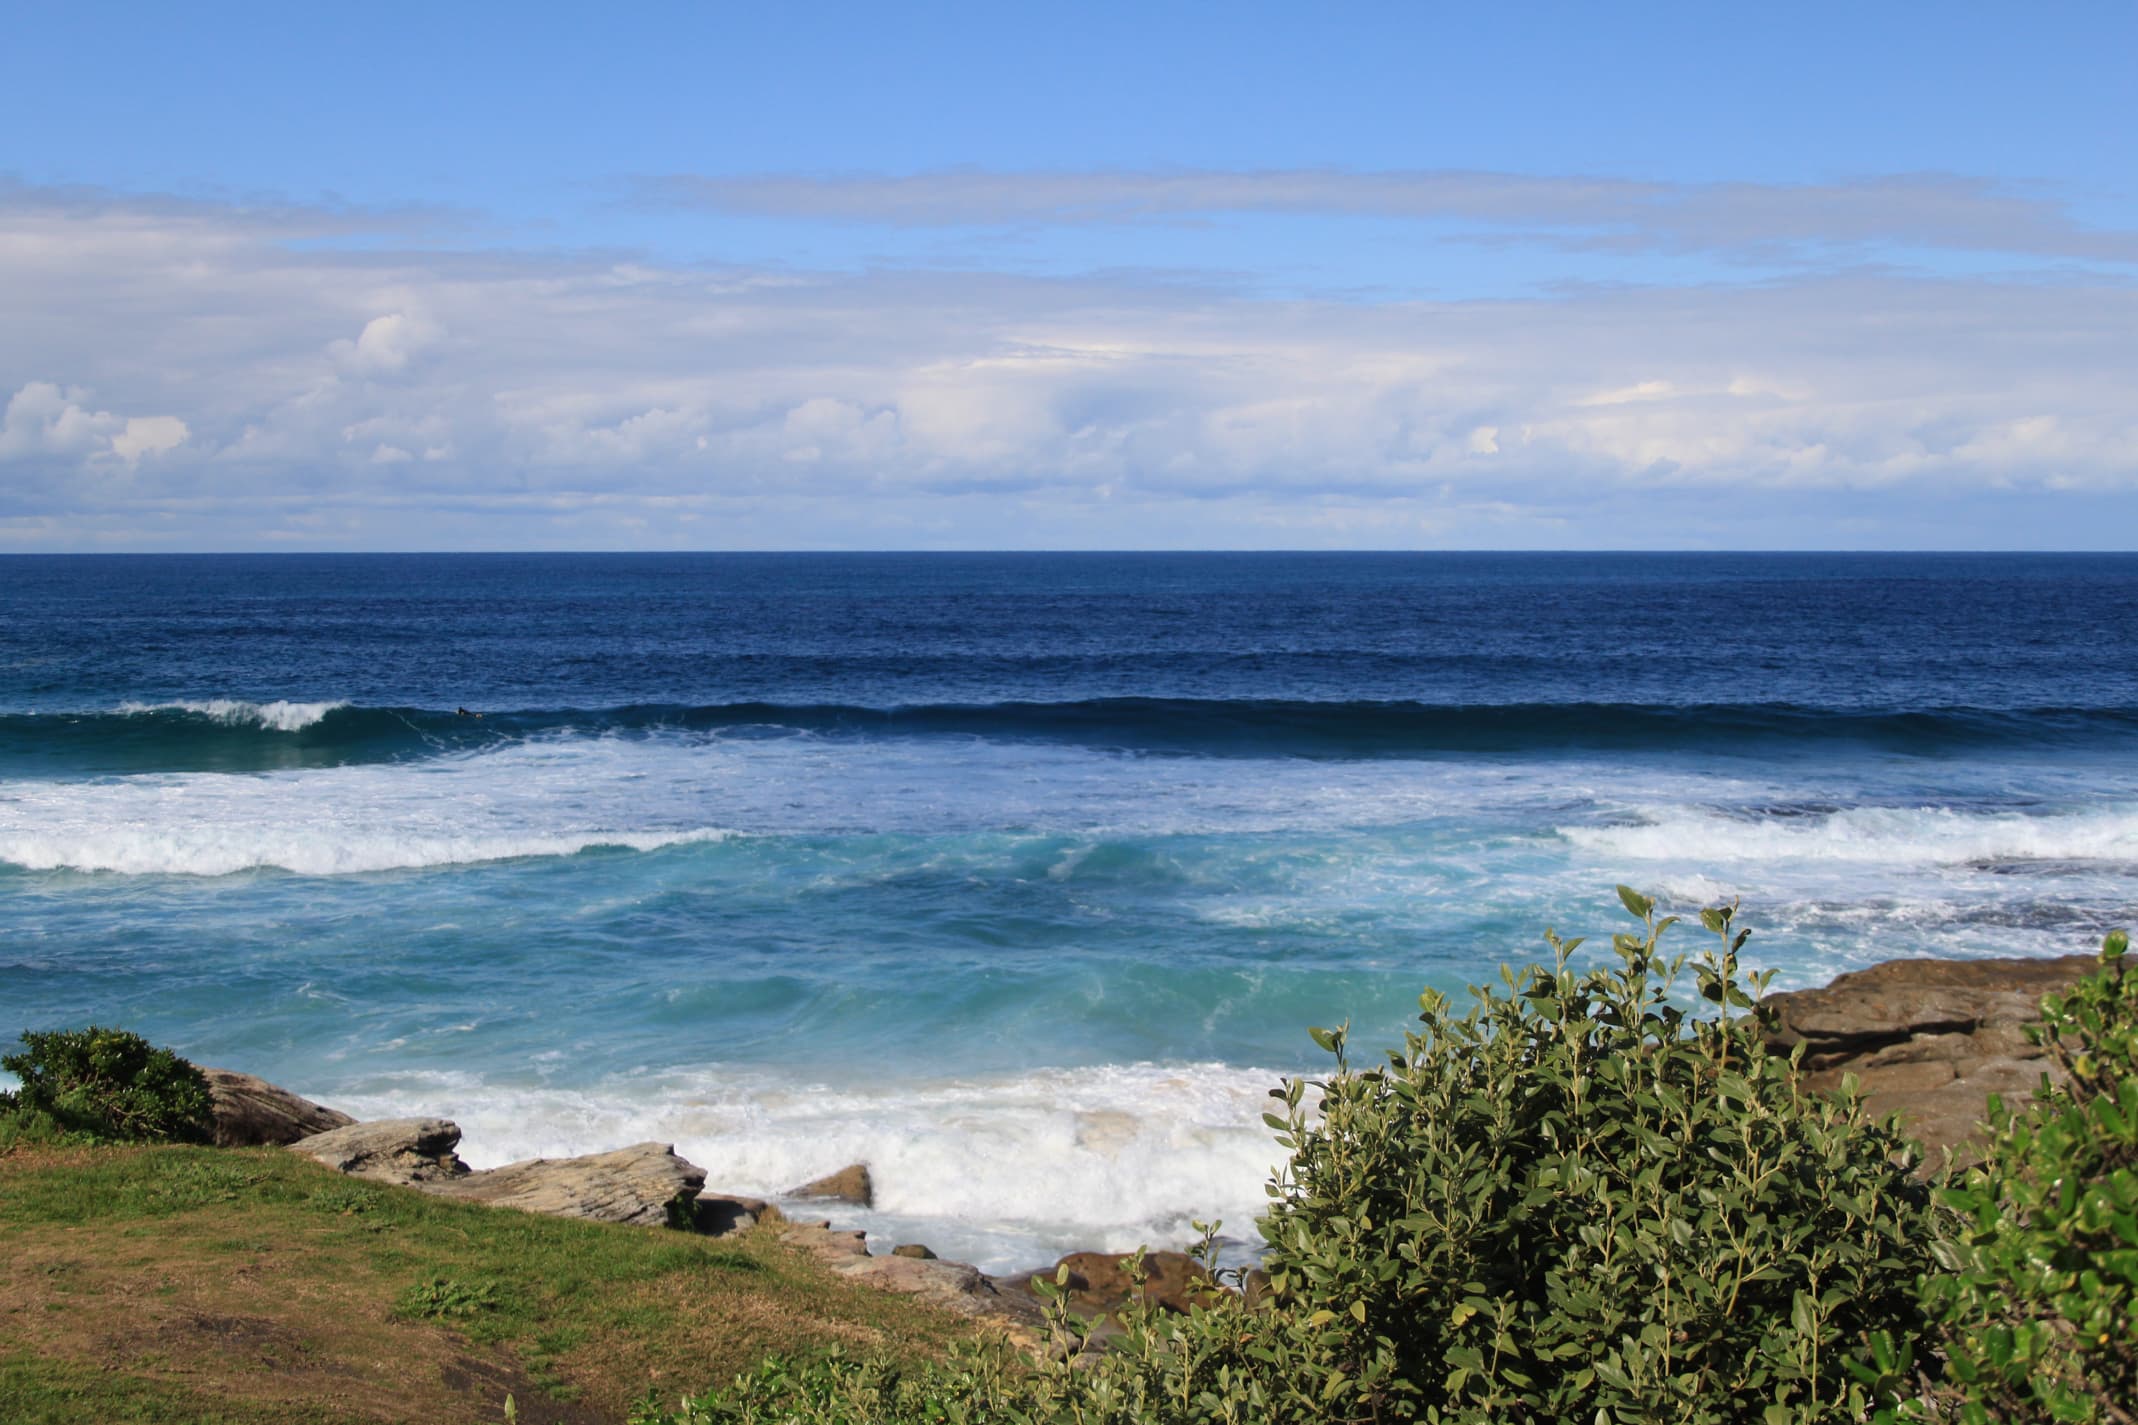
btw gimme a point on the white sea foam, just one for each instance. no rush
(557, 794)
(206, 850)
(1333, 834)
(529, 799)
(1007, 1172)
(277, 716)
(1870, 836)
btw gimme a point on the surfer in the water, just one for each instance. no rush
(465, 713)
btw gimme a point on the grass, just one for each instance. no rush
(242, 1286)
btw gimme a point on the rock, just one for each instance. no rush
(251, 1112)
(644, 1185)
(849, 1184)
(825, 1242)
(915, 1250)
(952, 1285)
(393, 1150)
(1099, 1283)
(1927, 1039)
(723, 1214)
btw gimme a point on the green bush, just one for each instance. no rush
(1573, 1201)
(2038, 1318)
(107, 1084)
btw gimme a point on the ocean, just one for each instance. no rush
(1018, 877)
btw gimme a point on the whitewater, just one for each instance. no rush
(1018, 878)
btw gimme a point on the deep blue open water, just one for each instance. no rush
(1016, 876)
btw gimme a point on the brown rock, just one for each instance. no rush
(644, 1185)
(722, 1214)
(1100, 1284)
(1927, 1039)
(251, 1112)
(850, 1184)
(915, 1250)
(953, 1286)
(1902, 999)
(825, 1242)
(1919, 1076)
(394, 1150)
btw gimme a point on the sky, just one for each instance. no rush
(1098, 276)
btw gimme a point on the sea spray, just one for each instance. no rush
(1003, 1170)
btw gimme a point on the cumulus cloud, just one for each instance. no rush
(248, 388)
(387, 344)
(148, 435)
(43, 419)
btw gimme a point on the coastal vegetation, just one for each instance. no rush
(1573, 1198)
(2036, 1311)
(105, 1085)
(1574, 1202)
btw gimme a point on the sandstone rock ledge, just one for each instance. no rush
(251, 1112)
(647, 1185)
(1930, 1040)
(644, 1185)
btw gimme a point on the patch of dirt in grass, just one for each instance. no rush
(283, 1338)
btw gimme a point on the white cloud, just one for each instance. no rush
(387, 344)
(361, 395)
(42, 419)
(148, 435)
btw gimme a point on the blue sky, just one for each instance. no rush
(1102, 276)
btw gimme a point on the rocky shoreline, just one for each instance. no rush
(1927, 1039)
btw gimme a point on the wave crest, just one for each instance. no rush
(1903, 836)
(225, 850)
(280, 715)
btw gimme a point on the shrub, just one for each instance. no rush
(1575, 1201)
(2038, 1317)
(1572, 1201)
(108, 1084)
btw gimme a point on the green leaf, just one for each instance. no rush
(1639, 905)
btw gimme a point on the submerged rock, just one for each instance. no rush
(1927, 1039)
(850, 1184)
(251, 1112)
(411, 1151)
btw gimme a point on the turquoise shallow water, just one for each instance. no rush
(801, 862)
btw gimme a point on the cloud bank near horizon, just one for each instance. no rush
(211, 375)
(1744, 221)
